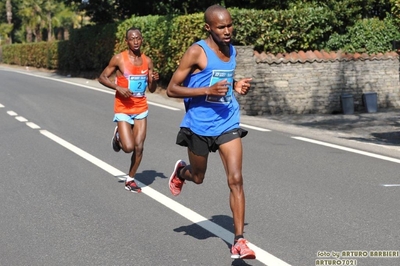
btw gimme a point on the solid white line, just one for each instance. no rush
(106, 167)
(12, 113)
(390, 159)
(21, 119)
(96, 89)
(262, 255)
(215, 229)
(163, 106)
(255, 128)
(390, 185)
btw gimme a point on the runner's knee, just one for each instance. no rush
(198, 178)
(235, 180)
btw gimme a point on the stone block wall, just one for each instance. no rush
(313, 82)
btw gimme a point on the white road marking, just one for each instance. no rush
(390, 185)
(163, 106)
(217, 230)
(12, 113)
(262, 255)
(96, 89)
(255, 128)
(32, 125)
(21, 119)
(386, 158)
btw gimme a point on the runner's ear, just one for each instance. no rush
(207, 27)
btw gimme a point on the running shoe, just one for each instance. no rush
(115, 140)
(175, 183)
(132, 187)
(240, 250)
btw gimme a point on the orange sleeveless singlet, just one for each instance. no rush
(131, 105)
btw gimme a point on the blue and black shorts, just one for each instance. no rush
(201, 145)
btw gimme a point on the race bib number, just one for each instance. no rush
(137, 84)
(217, 76)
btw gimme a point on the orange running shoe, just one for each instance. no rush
(175, 183)
(240, 250)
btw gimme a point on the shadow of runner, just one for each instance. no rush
(146, 177)
(197, 231)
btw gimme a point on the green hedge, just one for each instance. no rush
(88, 49)
(285, 30)
(40, 55)
(166, 38)
(366, 36)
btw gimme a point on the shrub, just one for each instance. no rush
(366, 36)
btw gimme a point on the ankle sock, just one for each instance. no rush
(238, 237)
(128, 178)
(178, 173)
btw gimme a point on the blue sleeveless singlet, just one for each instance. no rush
(212, 115)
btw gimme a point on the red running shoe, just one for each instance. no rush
(132, 187)
(175, 183)
(240, 250)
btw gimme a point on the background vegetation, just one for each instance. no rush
(80, 36)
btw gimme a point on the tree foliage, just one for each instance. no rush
(366, 36)
(106, 11)
(36, 20)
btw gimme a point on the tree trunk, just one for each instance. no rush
(9, 17)
(29, 34)
(50, 30)
(38, 34)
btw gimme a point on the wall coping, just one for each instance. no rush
(320, 56)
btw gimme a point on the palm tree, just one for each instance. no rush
(51, 8)
(9, 17)
(30, 13)
(67, 19)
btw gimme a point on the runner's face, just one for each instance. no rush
(221, 27)
(134, 40)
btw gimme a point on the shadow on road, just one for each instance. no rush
(146, 177)
(380, 128)
(197, 231)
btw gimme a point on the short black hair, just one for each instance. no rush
(132, 28)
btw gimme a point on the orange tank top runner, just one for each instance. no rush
(134, 78)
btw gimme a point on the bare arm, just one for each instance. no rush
(111, 68)
(193, 60)
(153, 76)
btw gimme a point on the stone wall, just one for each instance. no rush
(313, 82)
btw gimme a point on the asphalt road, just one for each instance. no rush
(313, 195)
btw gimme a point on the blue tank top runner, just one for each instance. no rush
(212, 115)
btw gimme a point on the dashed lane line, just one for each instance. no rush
(21, 119)
(262, 255)
(113, 92)
(12, 113)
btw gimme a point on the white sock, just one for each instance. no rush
(128, 178)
